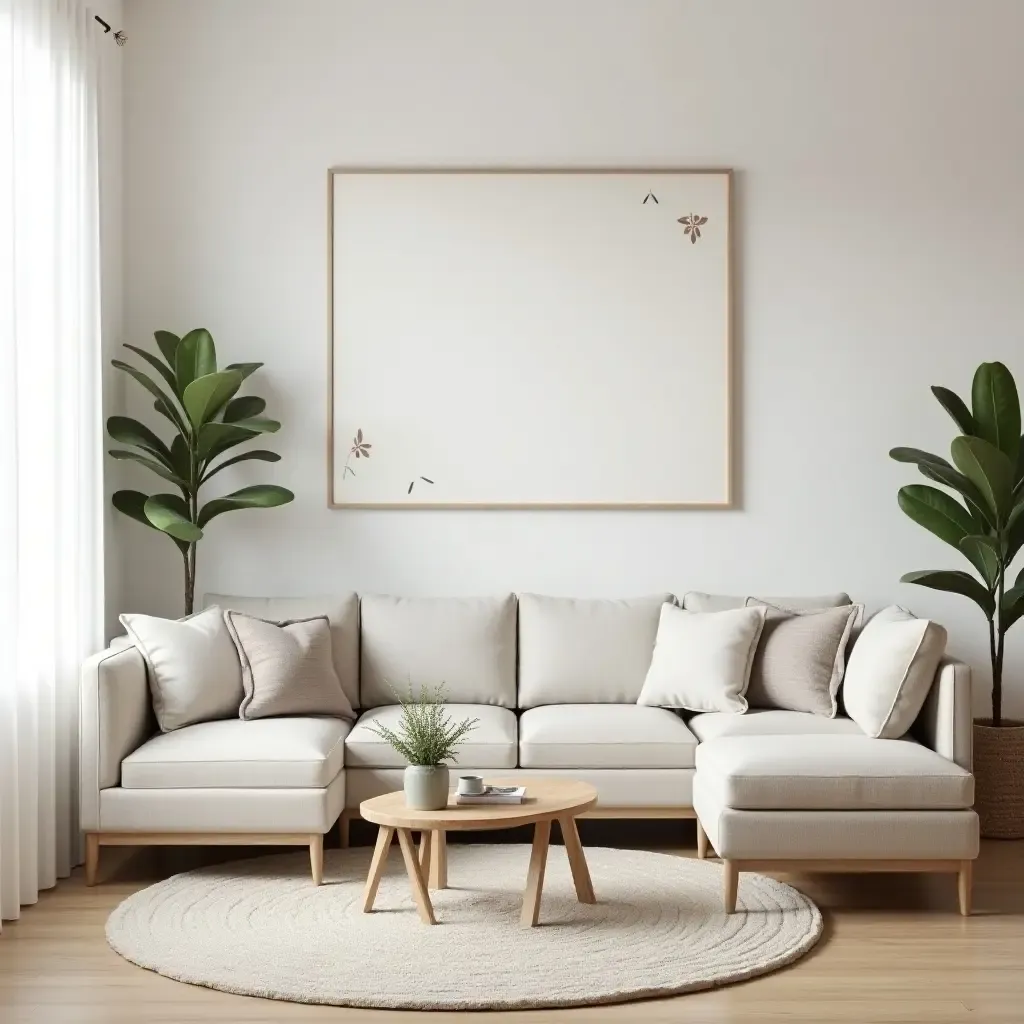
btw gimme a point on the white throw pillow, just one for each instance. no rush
(702, 660)
(890, 671)
(194, 672)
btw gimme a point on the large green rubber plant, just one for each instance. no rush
(984, 516)
(209, 419)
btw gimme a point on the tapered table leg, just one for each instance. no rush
(380, 856)
(535, 875)
(577, 860)
(438, 877)
(412, 868)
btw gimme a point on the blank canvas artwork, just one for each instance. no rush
(530, 339)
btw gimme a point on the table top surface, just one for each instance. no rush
(545, 798)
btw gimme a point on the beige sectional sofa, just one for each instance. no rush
(554, 684)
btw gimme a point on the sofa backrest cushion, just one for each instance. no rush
(467, 643)
(342, 612)
(574, 651)
(696, 601)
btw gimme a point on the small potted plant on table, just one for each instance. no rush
(986, 525)
(426, 737)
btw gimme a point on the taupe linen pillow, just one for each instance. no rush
(287, 668)
(800, 659)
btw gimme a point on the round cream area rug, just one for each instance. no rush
(260, 927)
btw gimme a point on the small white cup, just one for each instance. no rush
(470, 785)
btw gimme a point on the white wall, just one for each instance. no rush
(878, 150)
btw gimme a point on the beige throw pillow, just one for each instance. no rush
(193, 670)
(287, 668)
(701, 660)
(800, 659)
(891, 671)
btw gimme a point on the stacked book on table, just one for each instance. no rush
(494, 795)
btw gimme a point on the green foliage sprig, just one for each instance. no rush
(425, 734)
(199, 401)
(987, 524)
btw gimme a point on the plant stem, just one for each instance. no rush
(997, 656)
(190, 581)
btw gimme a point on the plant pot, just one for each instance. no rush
(999, 778)
(426, 787)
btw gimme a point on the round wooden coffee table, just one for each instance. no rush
(546, 800)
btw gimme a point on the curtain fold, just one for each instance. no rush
(51, 489)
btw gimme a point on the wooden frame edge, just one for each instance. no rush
(728, 504)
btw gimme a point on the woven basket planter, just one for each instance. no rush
(999, 778)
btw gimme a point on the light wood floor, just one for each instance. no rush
(895, 950)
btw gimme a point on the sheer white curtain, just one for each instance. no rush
(51, 582)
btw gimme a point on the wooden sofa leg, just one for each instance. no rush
(316, 857)
(731, 878)
(92, 857)
(702, 842)
(964, 879)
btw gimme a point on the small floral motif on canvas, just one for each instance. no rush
(692, 224)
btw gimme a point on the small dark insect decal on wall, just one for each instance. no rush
(650, 195)
(412, 483)
(692, 225)
(360, 449)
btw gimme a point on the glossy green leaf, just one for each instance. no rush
(1012, 607)
(245, 369)
(181, 457)
(196, 357)
(215, 438)
(956, 407)
(937, 512)
(996, 409)
(243, 407)
(257, 496)
(150, 464)
(259, 424)
(954, 582)
(988, 469)
(167, 374)
(1014, 535)
(168, 345)
(169, 513)
(205, 396)
(984, 555)
(259, 454)
(133, 505)
(126, 430)
(971, 495)
(917, 457)
(163, 406)
(154, 389)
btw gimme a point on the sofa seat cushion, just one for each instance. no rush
(268, 753)
(830, 773)
(756, 722)
(492, 744)
(604, 736)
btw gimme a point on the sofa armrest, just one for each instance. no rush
(115, 717)
(946, 722)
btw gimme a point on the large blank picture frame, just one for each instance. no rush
(530, 339)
